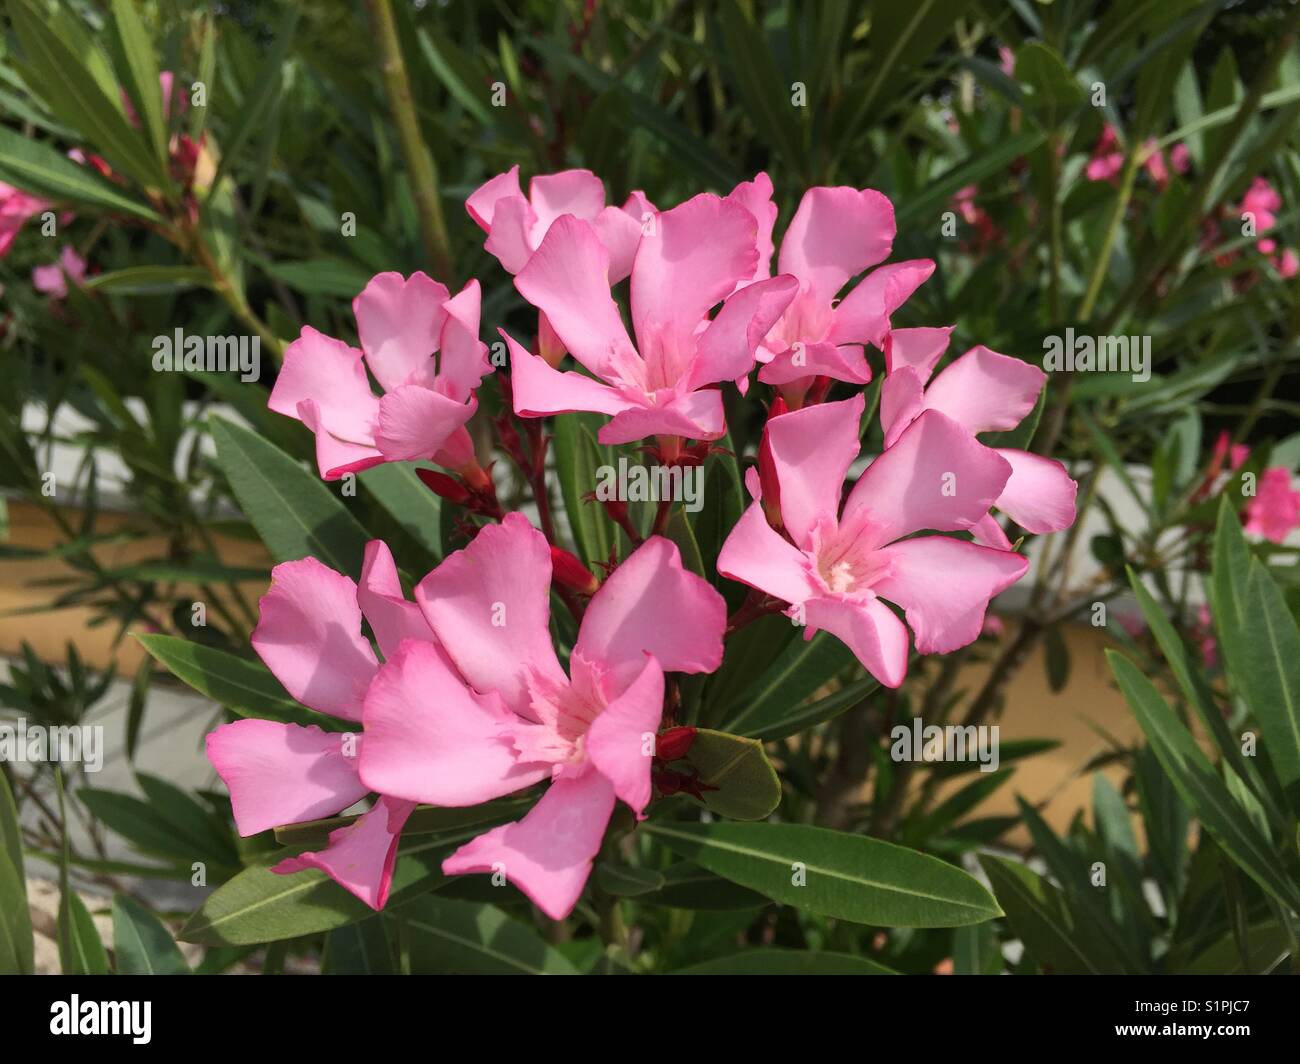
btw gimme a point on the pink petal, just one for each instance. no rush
(845, 362)
(379, 594)
(309, 636)
(756, 197)
(431, 739)
(482, 202)
(576, 192)
(462, 356)
(539, 390)
(619, 230)
(283, 773)
(651, 605)
(567, 280)
(987, 532)
(692, 260)
(725, 350)
(49, 280)
(549, 853)
(415, 422)
(902, 398)
(812, 449)
(360, 857)
(1275, 509)
(937, 476)
(489, 604)
(510, 240)
(399, 322)
(330, 374)
(945, 585)
(1039, 495)
(863, 315)
(835, 234)
(756, 554)
(335, 457)
(694, 416)
(620, 741)
(868, 628)
(983, 391)
(919, 348)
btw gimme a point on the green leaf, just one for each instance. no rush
(976, 951)
(688, 886)
(325, 276)
(800, 670)
(242, 686)
(38, 168)
(850, 877)
(259, 906)
(577, 457)
(464, 937)
(408, 501)
(762, 89)
(1189, 676)
(141, 944)
(980, 165)
(362, 948)
(149, 280)
(1041, 918)
(152, 830)
(74, 93)
(787, 962)
(627, 881)
(458, 72)
(1051, 90)
(1199, 784)
(257, 102)
(293, 512)
(746, 786)
(17, 947)
(143, 87)
(1273, 689)
(80, 950)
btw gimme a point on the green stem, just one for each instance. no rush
(419, 163)
(1102, 264)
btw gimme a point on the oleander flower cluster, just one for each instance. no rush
(459, 694)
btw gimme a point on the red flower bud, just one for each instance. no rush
(442, 485)
(674, 744)
(570, 572)
(767, 469)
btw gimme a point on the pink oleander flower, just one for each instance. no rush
(1275, 509)
(691, 259)
(834, 235)
(402, 323)
(309, 635)
(52, 280)
(1107, 159)
(982, 391)
(488, 710)
(516, 225)
(838, 565)
(1180, 158)
(16, 206)
(1287, 263)
(1263, 202)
